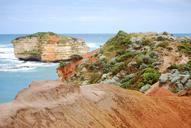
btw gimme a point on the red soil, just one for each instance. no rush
(51, 104)
(156, 90)
(68, 70)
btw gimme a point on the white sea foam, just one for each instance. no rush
(93, 45)
(9, 63)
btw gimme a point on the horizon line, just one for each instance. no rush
(90, 33)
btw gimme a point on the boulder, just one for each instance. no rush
(188, 84)
(185, 78)
(110, 81)
(145, 88)
(163, 78)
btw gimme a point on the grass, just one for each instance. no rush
(182, 67)
(38, 34)
(185, 47)
(163, 44)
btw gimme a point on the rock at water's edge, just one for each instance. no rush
(48, 47)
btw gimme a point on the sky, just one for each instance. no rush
(94, 16)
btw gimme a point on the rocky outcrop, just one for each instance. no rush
(135, 61)
(67, 70)
(177, 77)
(53, 104)
(48, 47)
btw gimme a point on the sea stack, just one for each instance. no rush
(48, 47)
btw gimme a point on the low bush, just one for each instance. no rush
(117, 68)
(185, 47)
(161, 38)
(181, 67)
(126, 84)
(150, 76)
(125, 56)
(163, 44)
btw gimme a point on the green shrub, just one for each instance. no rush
(140, 84)
(117, 68)
(38, 34)
(94, 77)
(181, 67)
(146, 42)
(107, 68)
(125, 56)
(122, 38)
(161, 38)
(146, 59)
(185, 47)
(163, 44)
(165, 33)
(126, 84)
(150, 76)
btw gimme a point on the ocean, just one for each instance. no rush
(16, 75)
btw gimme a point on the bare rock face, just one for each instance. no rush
(48, 47)
(53, 104)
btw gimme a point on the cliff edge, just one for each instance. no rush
(53, 104)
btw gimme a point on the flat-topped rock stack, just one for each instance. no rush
(48, 47)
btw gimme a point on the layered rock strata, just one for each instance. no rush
(48, 47)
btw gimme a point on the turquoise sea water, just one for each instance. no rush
(16, 75)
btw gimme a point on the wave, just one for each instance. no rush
(25, 66)
(9, 63)
(93, 46)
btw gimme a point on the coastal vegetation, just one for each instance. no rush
(132, 60)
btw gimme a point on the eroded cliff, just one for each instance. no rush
(48, 47)
(53, 104)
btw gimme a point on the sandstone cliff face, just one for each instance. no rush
(48, 47)
(53, 104)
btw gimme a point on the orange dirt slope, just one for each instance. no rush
(51, 104)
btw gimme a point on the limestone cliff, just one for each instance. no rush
(53, 104)
(48, 47)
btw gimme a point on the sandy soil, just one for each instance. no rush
(52, 104)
